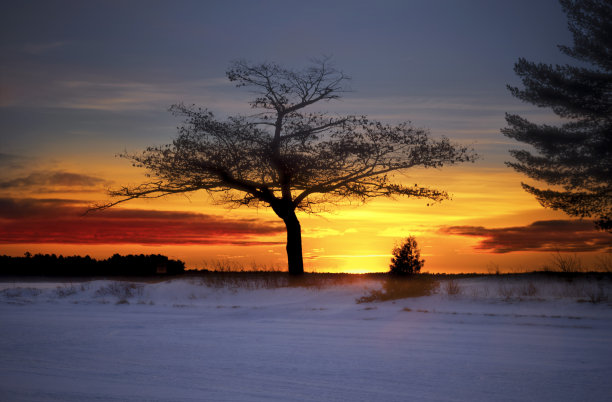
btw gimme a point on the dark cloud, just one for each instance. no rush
(11, 161)
(63, 221)
(555, 235)
(12, 209)
(52, 180)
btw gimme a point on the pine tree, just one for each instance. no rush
(574, 157)
(406, 258)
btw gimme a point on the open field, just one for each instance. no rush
(230, 337)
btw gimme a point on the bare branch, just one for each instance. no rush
(286, 158)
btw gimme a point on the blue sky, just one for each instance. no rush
(65, 64)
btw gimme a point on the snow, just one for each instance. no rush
(185, 340)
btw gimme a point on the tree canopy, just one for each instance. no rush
(287, 157)
(576, 156)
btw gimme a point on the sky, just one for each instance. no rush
(81, 82)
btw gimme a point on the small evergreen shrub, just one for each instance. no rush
(406, 258)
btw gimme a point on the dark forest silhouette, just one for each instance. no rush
(117, 265)
(286, 158)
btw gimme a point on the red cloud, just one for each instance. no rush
(62, 221)
(555, 235)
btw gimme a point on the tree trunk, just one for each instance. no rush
(294, 244)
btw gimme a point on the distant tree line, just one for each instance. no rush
(117, 265)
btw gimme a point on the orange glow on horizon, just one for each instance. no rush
(356, 238)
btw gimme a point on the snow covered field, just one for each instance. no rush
(498, 339)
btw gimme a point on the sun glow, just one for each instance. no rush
(350, 238)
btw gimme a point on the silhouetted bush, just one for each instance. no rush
(406, 258)
(117, 265)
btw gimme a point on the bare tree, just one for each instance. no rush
(285, 158)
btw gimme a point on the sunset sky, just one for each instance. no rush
(82, 81)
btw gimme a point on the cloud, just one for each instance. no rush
(43, 47)
(62, 221)
(554, 235)
(50, 181)
(325, 232)
(88, 92)
(108, 95)
(12, 161)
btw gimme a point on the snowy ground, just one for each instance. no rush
(499, 339)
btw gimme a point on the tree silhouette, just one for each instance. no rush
(406, 258)
(285, 158)
(575, 157)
